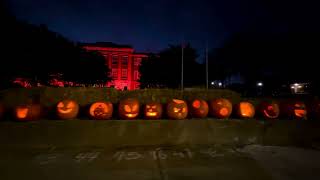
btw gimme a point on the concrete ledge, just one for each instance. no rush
(120, 133)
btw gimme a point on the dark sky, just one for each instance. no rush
(150, 25)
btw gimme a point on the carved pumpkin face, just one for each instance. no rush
(245, 110)
(220, 108)
(153, 111)
(300, 110)
(67, 109)
(101, 110)
(129, 108)
(28, 112)
(269, 110)
(177, 109)
(199, 108)
(293, 109)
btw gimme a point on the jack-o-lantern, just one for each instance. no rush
(27, 112)
(101, 110)
(198, 108)
(245, 110)
(300, 110)
(129, 108)
(177, 109)
(296, 110)
(220, 108)
(269, 110)
(67, 109)
(153, 110)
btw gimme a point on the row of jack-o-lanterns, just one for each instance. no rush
(175, 109)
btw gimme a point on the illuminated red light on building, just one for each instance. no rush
(22, 82)
(123, 63)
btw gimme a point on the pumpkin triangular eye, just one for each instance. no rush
(178, 101)
(60, 105)
(70, 105)
(147, 106)
(127, 108)
(135, 108)
(299, 106)
(176, 109)
(154, 107)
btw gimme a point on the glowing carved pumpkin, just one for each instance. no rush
(300, 110)
(220, 108)
(245, 110)
(28, 112)
(129, 108)
(101, 110)
(153, 110)
(177, 109)
(269, 110)
(199, 108)
(295, 109)
(67, 109)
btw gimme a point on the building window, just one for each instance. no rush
(106, 58)
(114, 73)
(124, 62)
(124, 74)
(114, 61)
(137, 86)
(136, 75)
(136, 63)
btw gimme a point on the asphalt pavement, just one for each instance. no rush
(160, 162)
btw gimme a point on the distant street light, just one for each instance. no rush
(259, 84)
(220, 84)
(212, 83)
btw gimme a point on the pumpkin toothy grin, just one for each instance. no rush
(65, 111)
(131, 115)
(152, 113)
(299, 112)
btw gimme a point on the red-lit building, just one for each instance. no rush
(123, 63)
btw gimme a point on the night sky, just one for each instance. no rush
(151, 25)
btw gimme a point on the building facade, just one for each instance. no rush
(123, 63)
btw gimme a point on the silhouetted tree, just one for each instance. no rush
(275, 58)
(35, 52)
(164, 69)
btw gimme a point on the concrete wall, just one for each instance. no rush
(118, 134)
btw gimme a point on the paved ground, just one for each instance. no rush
(175, 162)
(287, 163)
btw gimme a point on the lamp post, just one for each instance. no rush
(182, 66)
(207, 70)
